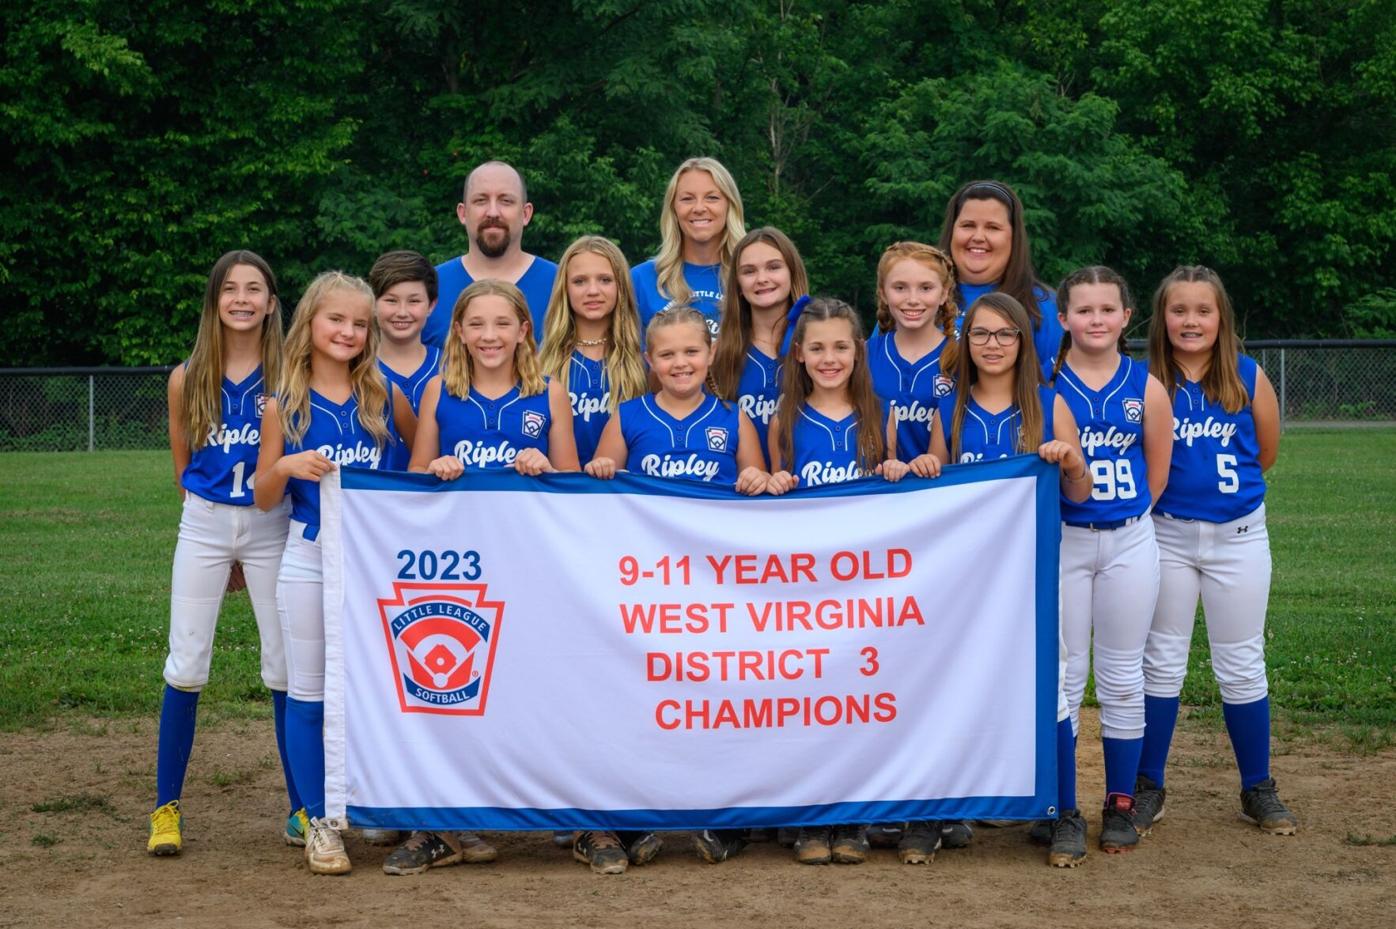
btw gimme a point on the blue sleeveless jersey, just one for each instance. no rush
(1215, 473)
(758, 391)
(536, 284)
(700, 447)
(908, 389)
(987, 436)
(336, 433)
(704, 281)
(825, 450)
(488, 434)
(1046, 336)
(589, 389)
(412, 385)
(1111, 424)
(222, 469)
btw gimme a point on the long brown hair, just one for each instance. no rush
(796, 387)
(203, 374)
(1027, 375)
(625, 370)
(735, 331)
(1222, 382)
(1019, 277)
(366, 381)
(939, 262)
(458, 368)
(1095, 274)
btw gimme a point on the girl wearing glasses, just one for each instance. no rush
(1000, 408)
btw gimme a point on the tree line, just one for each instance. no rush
(145, 139)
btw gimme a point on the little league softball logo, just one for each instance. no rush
(532, 424)
(717, 439)
(441, 642)
(1134, 410)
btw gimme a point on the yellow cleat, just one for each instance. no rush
(166, 830)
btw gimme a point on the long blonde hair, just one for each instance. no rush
(1222, 383)
(735, 330)
(625, 370)
(796, 386)
(937, 261)
(668, 264)
(203, 374)
(458, 368)
(366, 381)
(1027, 375)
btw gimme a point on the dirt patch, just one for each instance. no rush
(83, 861)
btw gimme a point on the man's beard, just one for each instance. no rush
(488, 249)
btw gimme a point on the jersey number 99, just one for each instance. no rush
(1112, 479)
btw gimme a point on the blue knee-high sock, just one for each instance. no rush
(177, 712)
(1066, 767)
(278, 703)
(1121, 765)
(305, 744)
(1160, 716)
(1248, 724)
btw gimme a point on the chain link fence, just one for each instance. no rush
(75, 409)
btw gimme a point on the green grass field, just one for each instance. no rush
(87, 541)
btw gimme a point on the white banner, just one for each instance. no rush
(561, 652)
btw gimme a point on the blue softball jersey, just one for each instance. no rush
(825, 450)
(452, 278)
(1215, 472)
(334, 431)
(589, 390)
(985, 435)
(412, 385)
(758, 391)
(704, 281)
(908, 389)
(700, 447)
(221, 469)
(1111, 424)
(1046, 336)
(488, 434)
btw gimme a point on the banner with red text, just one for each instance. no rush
(562, 652)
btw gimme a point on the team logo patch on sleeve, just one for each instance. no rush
(533, 423)
(717, 439)
(1134, 410)
(441, 642)
(944, 384)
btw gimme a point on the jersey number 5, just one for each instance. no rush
(1226, 470)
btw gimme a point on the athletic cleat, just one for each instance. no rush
(1068, 840)
(1040, 832)
(381, 836)
(955, 834)
(1261, 806)
(848, 844)
(1117, 832)
(601, 850)
(562, 839)
(297, 827)
(812, 845)
(920, 842)
(885, 835)
(166, 830)
(324, 849)
(425, 850)
(475, 850)
(1148, 804)
(717, 845)
(642, 847)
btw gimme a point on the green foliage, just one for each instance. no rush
(146, 139)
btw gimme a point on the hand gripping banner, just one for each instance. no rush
(563, 652)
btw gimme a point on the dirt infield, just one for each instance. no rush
(82, 862)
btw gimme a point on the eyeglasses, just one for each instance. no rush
(978, 336)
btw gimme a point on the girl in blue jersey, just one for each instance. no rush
(766, 278)
(700, 225)
(830, 429)
(1109, 559)
(1210, 524)
(591, 337)
(333, 407)
(404, 294)
(914, 346)
(984, 232)
(215, 403)
(491, 407)
(1000, 408)
(681, 431)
